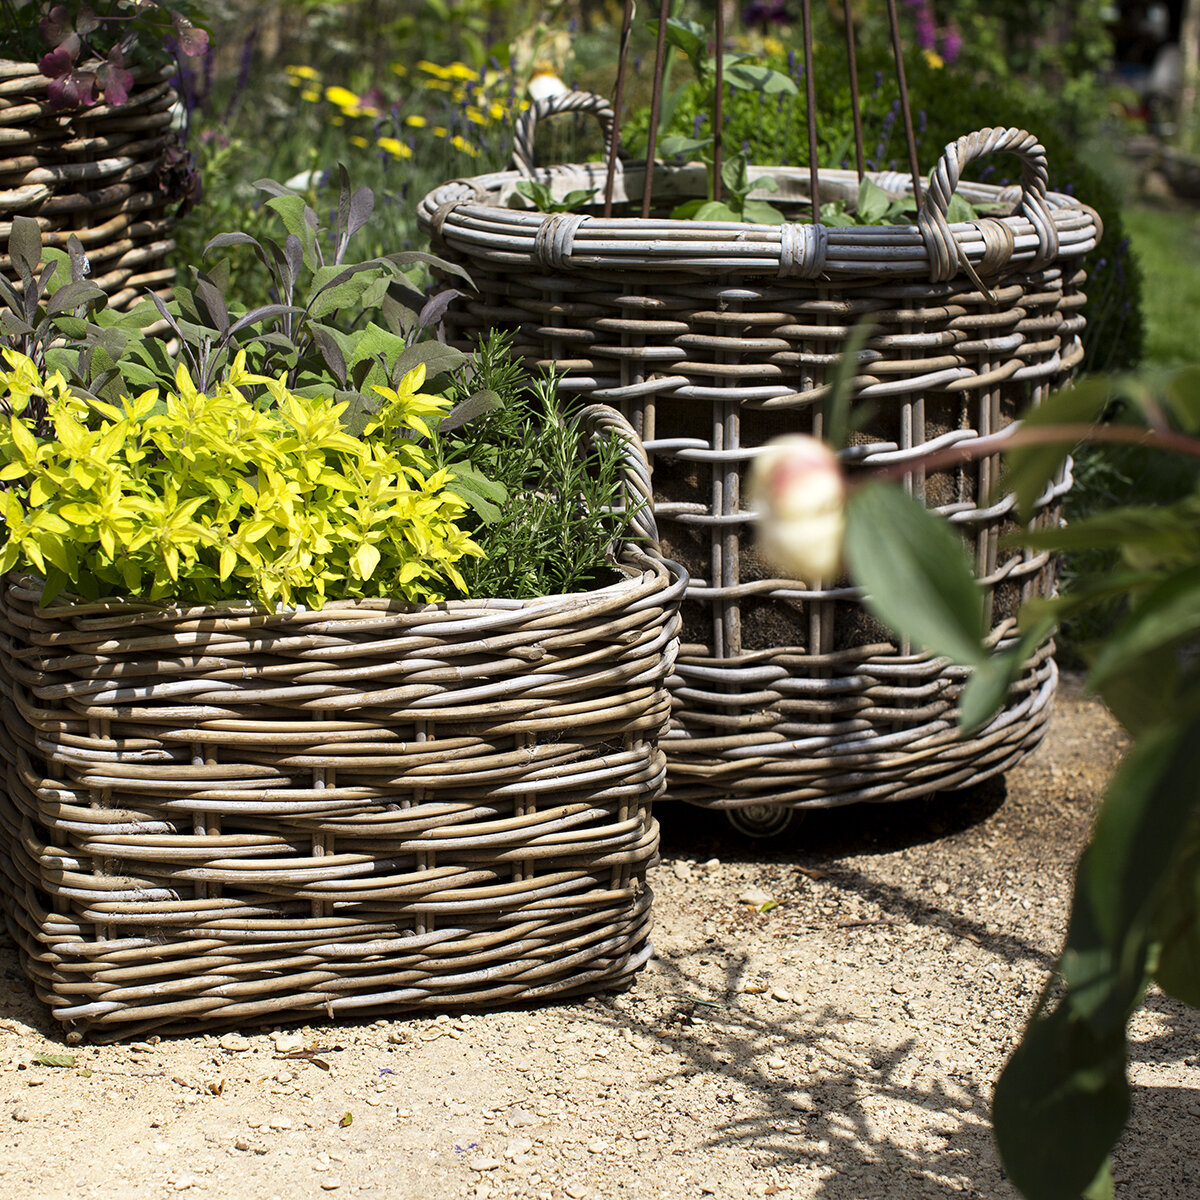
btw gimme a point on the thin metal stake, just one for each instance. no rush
(618, 102)
(660, 55)
(810, 90)
(898, 53)
(855, 106)
(718, 101)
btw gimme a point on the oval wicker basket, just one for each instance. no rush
(713, 338)
(217, 817)
(100, 173)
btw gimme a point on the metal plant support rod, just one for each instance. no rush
(810, 91)
(664, 13)
(855, 107)
(618, 103)
(718, 103)
(898, 54)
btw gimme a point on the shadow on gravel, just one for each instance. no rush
(808, 1091)
(822, 834)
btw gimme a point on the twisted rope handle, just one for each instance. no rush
(945, 257)
(585, 102)
(603, 421)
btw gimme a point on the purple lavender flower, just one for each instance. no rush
(952, 44)
(765, 13)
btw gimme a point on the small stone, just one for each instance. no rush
(780, 994)
(755, 896)
(682, 871)
(21, 1113)
(331, 1183)
(518, 1118)
(575, 1190)
(517, 1147)
(234, 1041)
(483, 1163)
(776, 1064)
(280, 1123)
(142, 1048)
(941, 887)
(183, 1182)
(712, 864)
(241, 1144)
(287, 1043)
(707, 1189)
(599, 1146)
(640, 1135)
(284, 1077)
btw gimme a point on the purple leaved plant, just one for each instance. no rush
(89, 55)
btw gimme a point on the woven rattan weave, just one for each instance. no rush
(215, 817)
(714, 337)
(99, 173)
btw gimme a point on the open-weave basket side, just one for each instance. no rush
(216, 818)
(99, 173)
(715, 337)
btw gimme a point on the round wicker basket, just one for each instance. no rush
(212, 817)
(713, 338)
(100, 173)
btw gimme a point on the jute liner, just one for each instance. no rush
(218, 817)
(713, 337)
(99, 173)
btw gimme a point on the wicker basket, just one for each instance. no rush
(713, 338)
(216, 817)
(99, 173)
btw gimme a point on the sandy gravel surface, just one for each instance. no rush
(841, 1045)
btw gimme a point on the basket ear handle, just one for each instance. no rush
(603, 421)
(945, 254)
(552, 106)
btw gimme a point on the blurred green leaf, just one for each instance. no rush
(1163, 617)
(1030, 468)
(1177, 928)
(915, 572)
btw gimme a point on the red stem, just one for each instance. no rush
(1041, 435)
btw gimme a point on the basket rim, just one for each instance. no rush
(469, 215)
(643, 576)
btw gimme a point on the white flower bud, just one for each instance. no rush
(797, 489)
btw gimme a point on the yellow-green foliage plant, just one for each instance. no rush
(194, 498)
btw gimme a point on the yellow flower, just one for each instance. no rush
(416, 121)
(457, 70)
(360, 142)
(395, 147)
(461, 143)
(400, 69)
(440, 131)
(497, 112)
(774, 47)
(438, 85)
(303, 72)
(310, 94)
(433, 69)
(933, 59)
(475, 116)
(342, 97)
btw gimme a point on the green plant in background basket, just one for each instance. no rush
(1063, 1097)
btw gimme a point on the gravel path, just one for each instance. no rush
(840, 1045)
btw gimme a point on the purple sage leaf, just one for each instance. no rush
(192, 41)
(56, 26)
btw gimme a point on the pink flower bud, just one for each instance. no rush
(797, 489)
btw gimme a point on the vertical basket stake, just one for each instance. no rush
(810, 92)
(898, 53)
(618, 103)
(718, 117)
(660, 55)
(855, 106)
